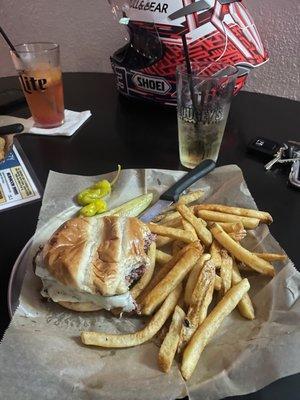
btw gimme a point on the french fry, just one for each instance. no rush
(161, 257)
(215, 253)
(232, 226)
(203, 233)
(189, 227)
(207, 274)
(170, 281)
(166, 217)
(215, 216)
(235, 230)
(146, 278)
(271, 256)
(173, 223)
(226, 271)
(200, 300)
(166, 268)
(189, 287)
(158, 218)
(137, 338)
(242, 254)
(244, 212)
(209, 326)
(237, 236)
(187, 198)
(245, 304)
(169, 345)
(218, 282)
(193, 277)
(191, 196)
(162, 241)
(174, 233)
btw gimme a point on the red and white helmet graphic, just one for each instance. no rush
(215, 30)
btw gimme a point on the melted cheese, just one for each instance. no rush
(58, 292)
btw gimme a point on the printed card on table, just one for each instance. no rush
(17, 186)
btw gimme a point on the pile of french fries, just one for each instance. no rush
(194, 279)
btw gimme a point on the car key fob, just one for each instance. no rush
(263, 146)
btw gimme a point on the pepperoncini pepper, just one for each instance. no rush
(92, 197)
(87, 196)
(96, 207)
(104, 187)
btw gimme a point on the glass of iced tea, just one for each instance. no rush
(38, 66)
(203, 102)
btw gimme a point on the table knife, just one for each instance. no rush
(172, 194)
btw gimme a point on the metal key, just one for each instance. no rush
(286, 160)
(276, 158)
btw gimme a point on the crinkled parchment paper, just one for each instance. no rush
(41, 355)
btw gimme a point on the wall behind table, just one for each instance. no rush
(88, 35)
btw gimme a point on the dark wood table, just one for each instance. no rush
(142, 135)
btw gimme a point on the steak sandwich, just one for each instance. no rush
(90, 263)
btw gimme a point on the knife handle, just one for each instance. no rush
(187, 180)
(8, 129)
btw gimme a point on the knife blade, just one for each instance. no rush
(172, 194)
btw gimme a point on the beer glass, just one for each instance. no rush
(203, 103)
(38, 66)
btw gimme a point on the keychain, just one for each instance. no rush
(282, 153)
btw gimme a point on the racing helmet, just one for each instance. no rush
(214, 30)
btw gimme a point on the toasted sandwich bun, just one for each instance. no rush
(82, 307)
(97, 255)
